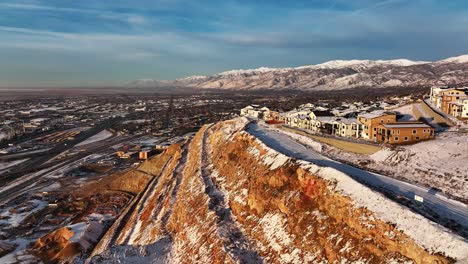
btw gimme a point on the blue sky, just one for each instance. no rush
(112, 42)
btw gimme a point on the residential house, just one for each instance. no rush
(245, 111)
(436, 96)
(323, 124)
(292, 117)
(403, 132)
(273, 116)
(320, 113)
(370, 121)
(464, 110)
(254, 111)
(346, 127)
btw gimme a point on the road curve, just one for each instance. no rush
(450, 213)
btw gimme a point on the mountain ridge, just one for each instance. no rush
(331, 75)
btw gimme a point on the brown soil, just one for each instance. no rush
(55, 247)
(287, 215)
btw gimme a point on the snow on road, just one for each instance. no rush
(445, 207)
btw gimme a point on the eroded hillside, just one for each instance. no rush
(225, 197)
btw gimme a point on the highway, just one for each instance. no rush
(97, 147)
(38, 162)
(435, 206)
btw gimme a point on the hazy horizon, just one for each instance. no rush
(95, 43)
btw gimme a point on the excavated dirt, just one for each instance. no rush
(56, 246)
(214, 201)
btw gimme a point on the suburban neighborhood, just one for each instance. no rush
(379, 122)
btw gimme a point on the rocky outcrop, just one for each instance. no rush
(225, 197)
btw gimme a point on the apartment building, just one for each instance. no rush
(450, 96)
(403, 132)
(370, 121)
(448, 100)
(347, 127)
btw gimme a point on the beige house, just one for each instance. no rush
(464, 112)
(459, 108)
(347, 127)
(436, 96)
(294, 118)
(254, 111)
(323, 124)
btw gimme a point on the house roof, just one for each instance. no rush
(406, 125)
(325, 119)
(347, 121)
(376, 114)
(323, 113)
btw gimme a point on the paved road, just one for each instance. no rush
(9, 194)
(450, 213)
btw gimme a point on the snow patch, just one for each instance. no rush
(424, 232)
(103, 135)
(458, 59)
(273, 226)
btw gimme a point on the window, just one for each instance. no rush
(406, 138)
(396, 139)
(375, 129)
(381, 120)
(414, 131)
(398, 132)
(417, 138)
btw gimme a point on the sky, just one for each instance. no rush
(113, 42)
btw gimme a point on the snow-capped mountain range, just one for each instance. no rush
(337, 74)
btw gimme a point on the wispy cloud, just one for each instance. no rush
(133, 19)
(175, 38)
(376, 4)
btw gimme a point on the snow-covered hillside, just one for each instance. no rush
(227, 197)
(337, 74)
